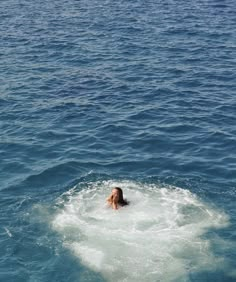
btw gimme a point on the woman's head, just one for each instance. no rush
(117, 192)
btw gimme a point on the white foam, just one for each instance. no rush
(159, 236)
(8, 232)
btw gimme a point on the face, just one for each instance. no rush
(115, 192)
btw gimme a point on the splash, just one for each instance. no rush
(160, 236)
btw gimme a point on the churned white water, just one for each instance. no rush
(159, 236)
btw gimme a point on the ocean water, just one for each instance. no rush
(137, 94)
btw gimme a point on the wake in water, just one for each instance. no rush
(160, 235)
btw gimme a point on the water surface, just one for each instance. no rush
(129, 93)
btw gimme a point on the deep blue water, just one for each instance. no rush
(93, 91)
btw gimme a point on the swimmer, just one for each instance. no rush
(116, 200)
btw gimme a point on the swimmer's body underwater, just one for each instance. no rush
(116, 200)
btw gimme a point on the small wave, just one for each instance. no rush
(160, 236)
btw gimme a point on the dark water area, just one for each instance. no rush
(138, 94)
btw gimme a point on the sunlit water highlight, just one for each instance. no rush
(160, 236)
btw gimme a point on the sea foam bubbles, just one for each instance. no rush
(159, 236)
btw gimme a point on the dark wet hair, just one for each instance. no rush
(121, 201)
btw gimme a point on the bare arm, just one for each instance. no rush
(115, 203)
(110, 199)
